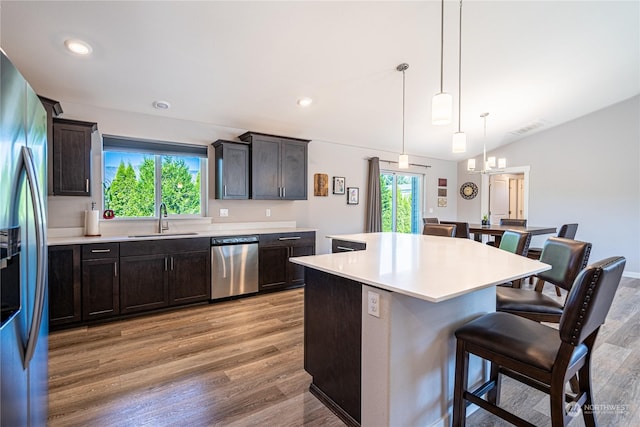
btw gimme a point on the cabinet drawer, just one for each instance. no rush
(100, 250)
(154, 247)
(346, 246)
(288, 239)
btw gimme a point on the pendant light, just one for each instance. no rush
(403, 159)
(441, 103)
(459, 138)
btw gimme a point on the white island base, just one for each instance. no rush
(408, 357)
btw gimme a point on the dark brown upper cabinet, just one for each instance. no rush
(72, 157)
(53, 109)
(278, 166)
(232, 170)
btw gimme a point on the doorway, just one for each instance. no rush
(505, 194)
(506, 197)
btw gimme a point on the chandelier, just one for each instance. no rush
(488, 163)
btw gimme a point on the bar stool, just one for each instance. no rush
(446, 230)
(567, 258)
(509, 221)
(538, 355)
(431, 220)
(462, 229)
(516, 242)
(568, 231)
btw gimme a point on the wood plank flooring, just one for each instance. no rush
(233, 363)
(240, 363)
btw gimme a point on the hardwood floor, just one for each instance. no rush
(232, 363)
(239, 363)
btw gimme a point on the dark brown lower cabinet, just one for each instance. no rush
(145, 283)
(65, 305)
(162, 273)
(276, 272)
(100, 281)
(190, 277)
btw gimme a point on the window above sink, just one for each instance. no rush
(139, 175)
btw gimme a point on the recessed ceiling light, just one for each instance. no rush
(305, 101)
(78, 47)
(161, 105)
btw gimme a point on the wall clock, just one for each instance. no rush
(468, 190)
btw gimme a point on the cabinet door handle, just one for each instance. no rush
(344, 248)
(100, 251)
(115, 269)
(166, 268)
(86, 185)
(284, 192)
(225, 190)
(289, 238)
(171, 263)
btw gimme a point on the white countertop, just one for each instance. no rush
(132, 237)
(431, 268)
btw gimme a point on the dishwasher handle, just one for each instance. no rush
(234, 240)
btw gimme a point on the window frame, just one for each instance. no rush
(419, 204)
(156, 150)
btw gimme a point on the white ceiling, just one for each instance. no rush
(244, 64)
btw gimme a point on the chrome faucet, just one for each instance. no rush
(162, 212)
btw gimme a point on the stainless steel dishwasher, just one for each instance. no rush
(234, 266)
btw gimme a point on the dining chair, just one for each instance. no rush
(462, 229)
(509, 221)
(446, 230)
(568, 231)
(567, 258)
(537, 355)
(431, 220)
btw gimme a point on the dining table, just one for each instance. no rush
(498, 230)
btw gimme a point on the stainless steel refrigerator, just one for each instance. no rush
(23, 252)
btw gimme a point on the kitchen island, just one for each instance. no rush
(379, 322)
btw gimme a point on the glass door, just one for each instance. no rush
(401, 202)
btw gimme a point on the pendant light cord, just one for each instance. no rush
(484, 141)
(403, 96)
(403, 67)
(442, 47)
(460, 70)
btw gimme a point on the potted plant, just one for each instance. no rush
(485, 219)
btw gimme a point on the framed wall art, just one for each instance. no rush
(353, 195)
(320, 184)
(338, 185)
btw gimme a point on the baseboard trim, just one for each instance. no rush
(333, 406)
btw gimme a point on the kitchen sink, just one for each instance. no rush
(164, 234)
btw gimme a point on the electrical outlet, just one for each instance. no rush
(268, 212)
(224, 212)
(373, 303)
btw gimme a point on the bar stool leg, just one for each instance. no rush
(493, 396)
(462, 370)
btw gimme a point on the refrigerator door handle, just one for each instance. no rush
(41, 262)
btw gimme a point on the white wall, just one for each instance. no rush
(585, 171)
(329, 215)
